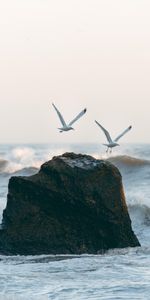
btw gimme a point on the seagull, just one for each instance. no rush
(67, 127)
(112, 143)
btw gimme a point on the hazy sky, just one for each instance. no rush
(76, 53)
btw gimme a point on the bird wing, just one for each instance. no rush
(105, 131)
(78, 116)
(59, 115)
(124, 132)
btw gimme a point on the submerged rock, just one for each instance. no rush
(74, 205)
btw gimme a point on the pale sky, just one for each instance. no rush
(77, 54)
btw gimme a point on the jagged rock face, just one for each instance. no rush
(75, 204)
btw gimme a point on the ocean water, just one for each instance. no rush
(118, 274)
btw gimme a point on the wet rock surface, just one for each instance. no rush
(75, 204)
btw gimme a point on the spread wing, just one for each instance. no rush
(59, 115)
(124, 132)
(78, 116)
(105, 131)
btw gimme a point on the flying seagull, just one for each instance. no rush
(67, 127)
(112, 143)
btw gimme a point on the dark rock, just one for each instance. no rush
(75, 204)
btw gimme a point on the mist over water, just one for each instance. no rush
(119, 274)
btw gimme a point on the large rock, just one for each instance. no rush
(75, 204)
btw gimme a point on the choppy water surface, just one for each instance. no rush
(119, 274)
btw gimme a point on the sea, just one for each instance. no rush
(117, 274)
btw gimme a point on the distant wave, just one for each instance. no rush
(3, 164)
(26, 171)
(23, 168)
(128, 161)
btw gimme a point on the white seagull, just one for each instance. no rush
(112, 143)
(67, 127)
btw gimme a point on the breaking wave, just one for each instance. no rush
(26, 160)
(141, 212)
(20, 160)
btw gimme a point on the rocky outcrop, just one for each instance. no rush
(75, 204)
